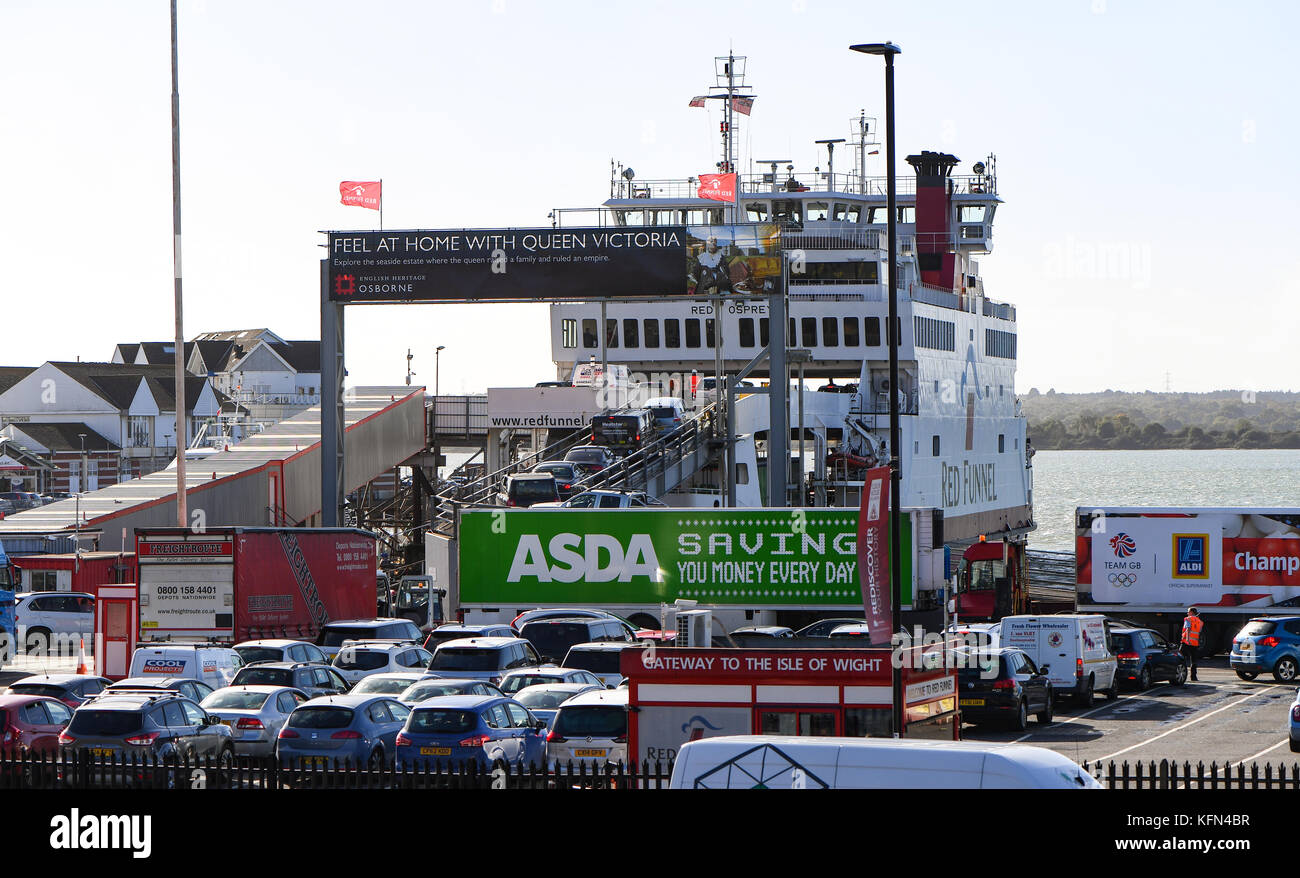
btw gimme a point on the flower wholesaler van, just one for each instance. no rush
(1075, 647)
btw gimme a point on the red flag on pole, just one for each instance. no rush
(718, 187)
(873, 555)
(356, 194)
(697, 101)
(742, 105)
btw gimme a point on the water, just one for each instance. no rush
(1224, 477)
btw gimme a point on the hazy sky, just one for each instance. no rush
(1144, 153)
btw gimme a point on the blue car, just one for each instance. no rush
(356, 729)
(462, 729)
(1269, 645)
(1295, 723)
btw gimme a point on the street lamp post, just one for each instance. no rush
(437, 380)
(889, 50)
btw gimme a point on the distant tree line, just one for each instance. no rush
(1220, 419)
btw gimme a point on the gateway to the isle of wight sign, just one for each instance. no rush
(725, 557)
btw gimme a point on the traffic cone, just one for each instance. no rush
(81, 657)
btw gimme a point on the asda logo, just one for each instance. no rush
(570, 557)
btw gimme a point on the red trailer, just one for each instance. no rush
(72, 573)
(679, 695)
(244, 583)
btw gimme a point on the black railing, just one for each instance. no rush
(1169, 774)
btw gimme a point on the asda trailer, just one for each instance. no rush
(1148, 565)
(237, 583)
(750, 566)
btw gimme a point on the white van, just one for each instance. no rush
(787, 762)
(1073, 646)
(214, 665)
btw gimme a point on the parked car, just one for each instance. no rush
(394, 683)
(601, 659)
(824, 627)
(355, 729)
(32, 723)
(602, 499)
(1268, 645)
(553, 638)
(55, 620)
(483, 658)
(442, 687)
(1144, 655)
(771, 632)
(567, 474)
(357, 659)
(214, 665)
(254, 714)
(454, 631)
(333, 634)
(525, 489)
(979, 635)
(589, 728)
(71, 689)
(19, 499)
(594, 457)
(194, 690)
(465, 729)
(852, 631)
(571, 612)
(313, 679)
(280, 651)
(1002, 685)
(7, 507)
(515, 681)
(162, 724)
(543, 700)
(1293, 730)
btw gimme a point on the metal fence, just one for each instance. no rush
(1168, 774)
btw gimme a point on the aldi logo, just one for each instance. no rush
(1191, 556)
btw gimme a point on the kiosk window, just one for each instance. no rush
(867, 722)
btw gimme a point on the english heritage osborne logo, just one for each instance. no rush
(345, 285)
(1123, 545)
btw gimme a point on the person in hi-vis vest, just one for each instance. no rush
(1191, 640)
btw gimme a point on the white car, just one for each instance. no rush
(394, 683)
(280, 651)
(49, 617)
(590, 728)
(516, 681)
(978, 635)
(601, 499)
(358, 659)
(483, 658)
(255, 714)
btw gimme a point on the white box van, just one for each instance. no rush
(1073, 646)
(214, 665)
(786, 762)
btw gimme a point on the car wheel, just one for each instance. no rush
(1295, 746)
(1021, 720)
(1113, 692)
(1181, 676)
(1247, 675)
(376, 760)
(1144, 678)
(1045, 717)
(38, 641)
(1087, 697)
(1285, 670)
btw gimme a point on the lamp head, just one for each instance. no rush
(877, 49)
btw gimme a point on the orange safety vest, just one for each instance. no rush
(1192, 630)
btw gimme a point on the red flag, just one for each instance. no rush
(697, 101)
(873, 555)
(356, 194)
(718, 187)
(742, 105)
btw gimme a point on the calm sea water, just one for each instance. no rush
(1066, 479)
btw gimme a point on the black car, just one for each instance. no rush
(1143, 655)
(161, 724)
(552, 638)
(525, 489)
(1002, 686)
(824, 627)
(593, 457)
(314, 679)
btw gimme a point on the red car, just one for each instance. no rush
(32, 723)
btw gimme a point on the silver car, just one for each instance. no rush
(544, 701)
(254, 714)
(590, 728)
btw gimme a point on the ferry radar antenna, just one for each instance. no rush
(830, 160)
(863, 129)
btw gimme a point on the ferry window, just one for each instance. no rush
(868, 722)
(630, 334)
(569, 332)
(830, 332)
(742, 474)
(589, 334)
(693, 333)
(839, 272)
(873, 331)
(715, 216)
(756, 211)
(763, 331)
(818, 210)
(971, 213)
(877, 215)
(672, 333)
(747, 332)
(710, 340)
(809, 331)
(611, 333)
(851, 337)
(1000, 390)
(787, 212)
(651, 333)
(934, 446)
(855, 214)
(840, 211)
(1002, 443)
(632, 218)
(907, 214)
(936, 385)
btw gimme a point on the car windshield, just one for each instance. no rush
(973, 666)
(522, 681)
(360, 660)
(464, 658)
(441, 721)
(535, 489)
(381, 686)
(264, 677)
(586, 456)
(251, 654)
(105, 723)
(598, 661)
(597, 722)
(541, 698)
(1258, 628)
(553, 639)
(321, 718)
(664, 412)
(425, 691)
(236, 700)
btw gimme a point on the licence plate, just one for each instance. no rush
(588, 754)
(972, 702)
(1247, 646)
(100, 751)
(435, 751)
(308, 761)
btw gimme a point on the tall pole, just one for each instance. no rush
(182, 514)
(895, 459)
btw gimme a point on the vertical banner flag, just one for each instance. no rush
(873, 555)
(718, 187)
(356, 194)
